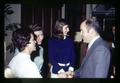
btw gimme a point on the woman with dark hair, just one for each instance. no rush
(61, 51)
(21, 64)
(37, 56)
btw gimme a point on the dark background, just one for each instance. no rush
(46, 13)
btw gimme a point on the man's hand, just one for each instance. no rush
(62, 75)
(70, 74)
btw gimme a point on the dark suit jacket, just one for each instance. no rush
(96, 62)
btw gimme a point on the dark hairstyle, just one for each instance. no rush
(58, 29)
(93, 23)
(21, 37)
(35, 27)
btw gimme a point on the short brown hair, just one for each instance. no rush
(93, 23)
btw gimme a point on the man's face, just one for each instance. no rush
(85, 33)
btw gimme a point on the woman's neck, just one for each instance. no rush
(26, 51)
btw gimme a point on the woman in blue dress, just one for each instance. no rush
(61, 51)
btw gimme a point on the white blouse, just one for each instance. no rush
(23, 66)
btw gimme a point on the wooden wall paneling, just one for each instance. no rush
(45, 16)
(26, 14)
(47, 13)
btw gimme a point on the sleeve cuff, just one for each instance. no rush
(71, 68)
(61, 70)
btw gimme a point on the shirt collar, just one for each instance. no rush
(93, 40)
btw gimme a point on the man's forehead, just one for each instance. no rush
(65, 26)
(83, 23)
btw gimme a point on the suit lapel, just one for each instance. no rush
(88, 54)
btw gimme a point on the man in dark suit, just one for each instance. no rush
(97, 60)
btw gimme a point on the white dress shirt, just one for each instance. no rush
(91, 42)
(23, 66)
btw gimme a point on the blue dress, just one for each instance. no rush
(61, 54)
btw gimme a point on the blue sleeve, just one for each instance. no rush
(77, 73)
(52, 54)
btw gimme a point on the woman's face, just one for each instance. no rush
(32, 43)
(65, 30)
(40, 36)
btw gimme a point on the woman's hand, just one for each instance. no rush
(62, 75)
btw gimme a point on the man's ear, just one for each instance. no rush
(91, 31)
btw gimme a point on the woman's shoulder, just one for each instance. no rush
(53, 39)
(69, 38)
